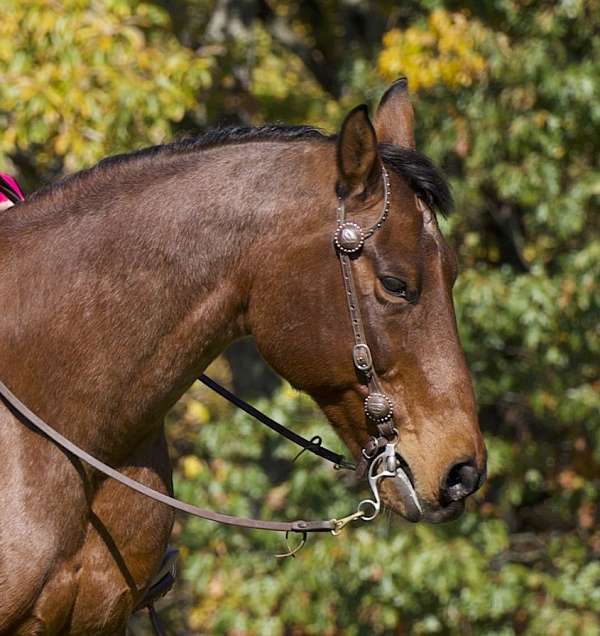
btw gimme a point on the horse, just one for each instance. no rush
(121, 283)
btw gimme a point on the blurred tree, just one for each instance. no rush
(81, 80)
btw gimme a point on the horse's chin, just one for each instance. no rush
(442, 514)
(397, 496)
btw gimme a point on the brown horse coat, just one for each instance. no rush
(119, 285)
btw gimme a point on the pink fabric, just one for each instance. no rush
(13, 184)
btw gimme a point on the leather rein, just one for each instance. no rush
(378, 458)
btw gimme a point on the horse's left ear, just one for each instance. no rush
(394, 118)
(359, 166)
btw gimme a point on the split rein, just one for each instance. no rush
(378, 460)
(314, 445)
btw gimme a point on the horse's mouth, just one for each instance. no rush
(400, 494)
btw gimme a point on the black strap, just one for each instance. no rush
(155, 620)
(309, 445)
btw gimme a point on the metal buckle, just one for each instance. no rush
(340, 524)
(363, 360)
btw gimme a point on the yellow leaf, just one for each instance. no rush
(444, 51)
(198, 412)
(192, 466)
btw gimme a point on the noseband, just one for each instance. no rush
(378, 457)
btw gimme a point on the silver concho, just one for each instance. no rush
(379, 408)
(349, 238)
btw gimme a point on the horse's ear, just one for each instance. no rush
(359, 166)
(394, 118)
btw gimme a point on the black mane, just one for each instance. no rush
(418, 170)
(423, 176)
(222, 137)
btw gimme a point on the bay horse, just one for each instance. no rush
(120, 284)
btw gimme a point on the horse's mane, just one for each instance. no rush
(423, 176)
(419, 171)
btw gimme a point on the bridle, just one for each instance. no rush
(378, 458)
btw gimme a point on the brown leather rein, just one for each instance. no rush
(378, 458)
(30, 417)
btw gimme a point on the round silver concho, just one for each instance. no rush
(349, 238)
(379, 408)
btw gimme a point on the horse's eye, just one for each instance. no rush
(395, 286)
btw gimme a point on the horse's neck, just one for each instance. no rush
(110, 312)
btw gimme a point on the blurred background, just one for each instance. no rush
(507, 100)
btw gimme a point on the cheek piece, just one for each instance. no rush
(379, 458)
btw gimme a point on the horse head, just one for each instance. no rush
(403, 273)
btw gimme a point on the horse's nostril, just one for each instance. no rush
(462, 480)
